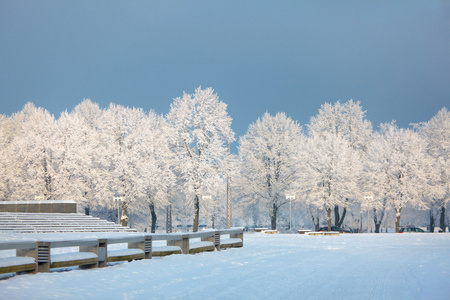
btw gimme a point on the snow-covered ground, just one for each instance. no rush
(283, 266)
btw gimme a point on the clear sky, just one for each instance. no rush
(258, 55)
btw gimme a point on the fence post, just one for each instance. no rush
(148, 247)
(102, 253)
(43, 256)
(217, 240)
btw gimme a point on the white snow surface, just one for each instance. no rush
(123, 252)
(15, 261)
(72, 256)
(279, 266)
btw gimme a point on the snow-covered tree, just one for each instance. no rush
(202, 130)
(346, 121)
(120, 134)
(33, 144)
(5, 157)
(269, 162)
(398, 175)
(436, 133)
(156, 183)
(331, 174)
(87, 151)
(376, 180)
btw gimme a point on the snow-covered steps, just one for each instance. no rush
(56, 222)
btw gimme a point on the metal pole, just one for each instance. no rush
(229, 207)
(290, 215)
(117, 200)
(169, 218)
(207, 198)
(290, 197)
(368, 197)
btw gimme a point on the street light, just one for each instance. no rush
(368, 198)
(290, 198)
(118, 200)
(207, 197)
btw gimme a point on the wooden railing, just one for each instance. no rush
(36, 255)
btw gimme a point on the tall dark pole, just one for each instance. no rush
(169, 218)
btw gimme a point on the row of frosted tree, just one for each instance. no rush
(333, 167)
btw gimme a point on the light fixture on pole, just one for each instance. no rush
(368, 198)
(118, 200)
(169, 218)
(290, 198)
(207, 197)
(229, 204)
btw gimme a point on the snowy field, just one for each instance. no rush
(283, 266)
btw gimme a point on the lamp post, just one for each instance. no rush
(229, 204)
(169, 218)
(118, 200)
(290, 198)
(368, 198)
(207, 197)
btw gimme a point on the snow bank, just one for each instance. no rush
(282, 266)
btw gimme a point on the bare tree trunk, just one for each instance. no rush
(336, 215)
(376, 221)
(154, 217)
(442, 219)
(375, 218)
(377, 227)
(398, 212)
(329, 218)
(316, 222)
(124, 218)
(432, 221)
(196, 213)
(273, 217)
(338, 220)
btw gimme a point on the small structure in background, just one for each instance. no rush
(39, 206)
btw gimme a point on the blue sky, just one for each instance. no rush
(291, 56)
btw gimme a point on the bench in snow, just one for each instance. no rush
(187, 243)
(172, 244)
(159, 251)
(139, 247)
(235, 237)
(18, 263)
(323, 233)
(87, 257)
(37, 256)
